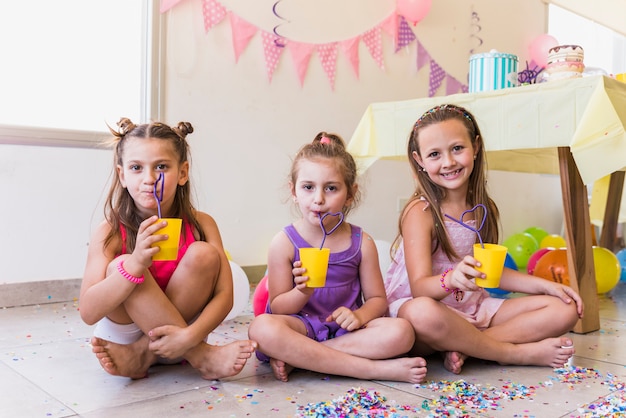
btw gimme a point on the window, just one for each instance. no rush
(71, 67)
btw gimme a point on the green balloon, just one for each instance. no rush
(537, 232)
(521, 246)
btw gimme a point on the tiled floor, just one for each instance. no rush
(47, 370)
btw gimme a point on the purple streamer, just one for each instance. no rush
(477, 230)
(157, 196)
(327, 233)
(478, 28)
(277, 42)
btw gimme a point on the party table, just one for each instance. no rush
(575, 128)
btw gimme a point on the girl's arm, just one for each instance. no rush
(417, 233)
(103, 288)
(515, 281)
(284, 297)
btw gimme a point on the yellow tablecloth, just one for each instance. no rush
(521, 126)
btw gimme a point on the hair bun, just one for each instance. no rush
(183, 129)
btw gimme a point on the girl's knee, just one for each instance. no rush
(262, 327)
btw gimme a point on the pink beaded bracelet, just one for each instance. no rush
(127, 275)
(441, 279)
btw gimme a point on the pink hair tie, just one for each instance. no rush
(325, 140)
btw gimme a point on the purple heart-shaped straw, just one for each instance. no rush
(159, 196)
(477, 230)
(327, 233)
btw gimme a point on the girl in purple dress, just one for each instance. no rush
(339, 328)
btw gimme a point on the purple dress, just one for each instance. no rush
(343, 288)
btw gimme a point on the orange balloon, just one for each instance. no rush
(553, 266)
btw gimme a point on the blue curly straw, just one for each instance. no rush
(460, 221)
(157, 196)
(327, 233)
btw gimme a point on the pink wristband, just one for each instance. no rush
(127, 275)
(441, 279)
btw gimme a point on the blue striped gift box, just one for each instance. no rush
(492, 71)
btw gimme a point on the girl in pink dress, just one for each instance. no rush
(430, 282)
(339, 328)
(149, 311)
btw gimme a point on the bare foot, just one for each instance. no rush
(453, 361)
(405, 369)
(553, 352)
(218, 361)
(128, 360)
(281, 369)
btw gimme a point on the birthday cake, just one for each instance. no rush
(492, 71)
(565, 62)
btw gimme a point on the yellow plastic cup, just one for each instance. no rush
(169, 248)
(491, 259)
(315, 261)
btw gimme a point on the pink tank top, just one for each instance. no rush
(162, 270)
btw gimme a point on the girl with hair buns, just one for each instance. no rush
(339, 328)
(147, 311)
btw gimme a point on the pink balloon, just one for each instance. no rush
(539, 47)
(260, 296)
(532, 261)
(413, 10)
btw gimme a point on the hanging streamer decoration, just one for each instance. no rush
(476, 28)
(278, 42)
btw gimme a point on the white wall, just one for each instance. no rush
(247, 129)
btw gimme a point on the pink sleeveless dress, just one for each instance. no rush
(162, 270)
(476, 307)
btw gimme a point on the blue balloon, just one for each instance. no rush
(510, 263)
(621, 257)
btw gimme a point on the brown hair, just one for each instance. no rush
(432, 193)
(330, 146)
(119, 208)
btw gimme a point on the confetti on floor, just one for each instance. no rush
(460, 398)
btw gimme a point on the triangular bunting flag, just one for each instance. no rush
(328, 58)
(373, 41)
(437, 74)
(405, 34)
(213, 13)
(301, 55)
(453, 85)
(273, 47)
(351, 49)
(422, 56)
(168, 4)
(242, 32)
(390, 25)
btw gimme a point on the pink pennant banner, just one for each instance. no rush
(373, 41)
(273, 47)
(405, 34)
(213, 13)
(242, 32)
(328, 58)
(301, 56)
(437, 74)
(350, 48)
